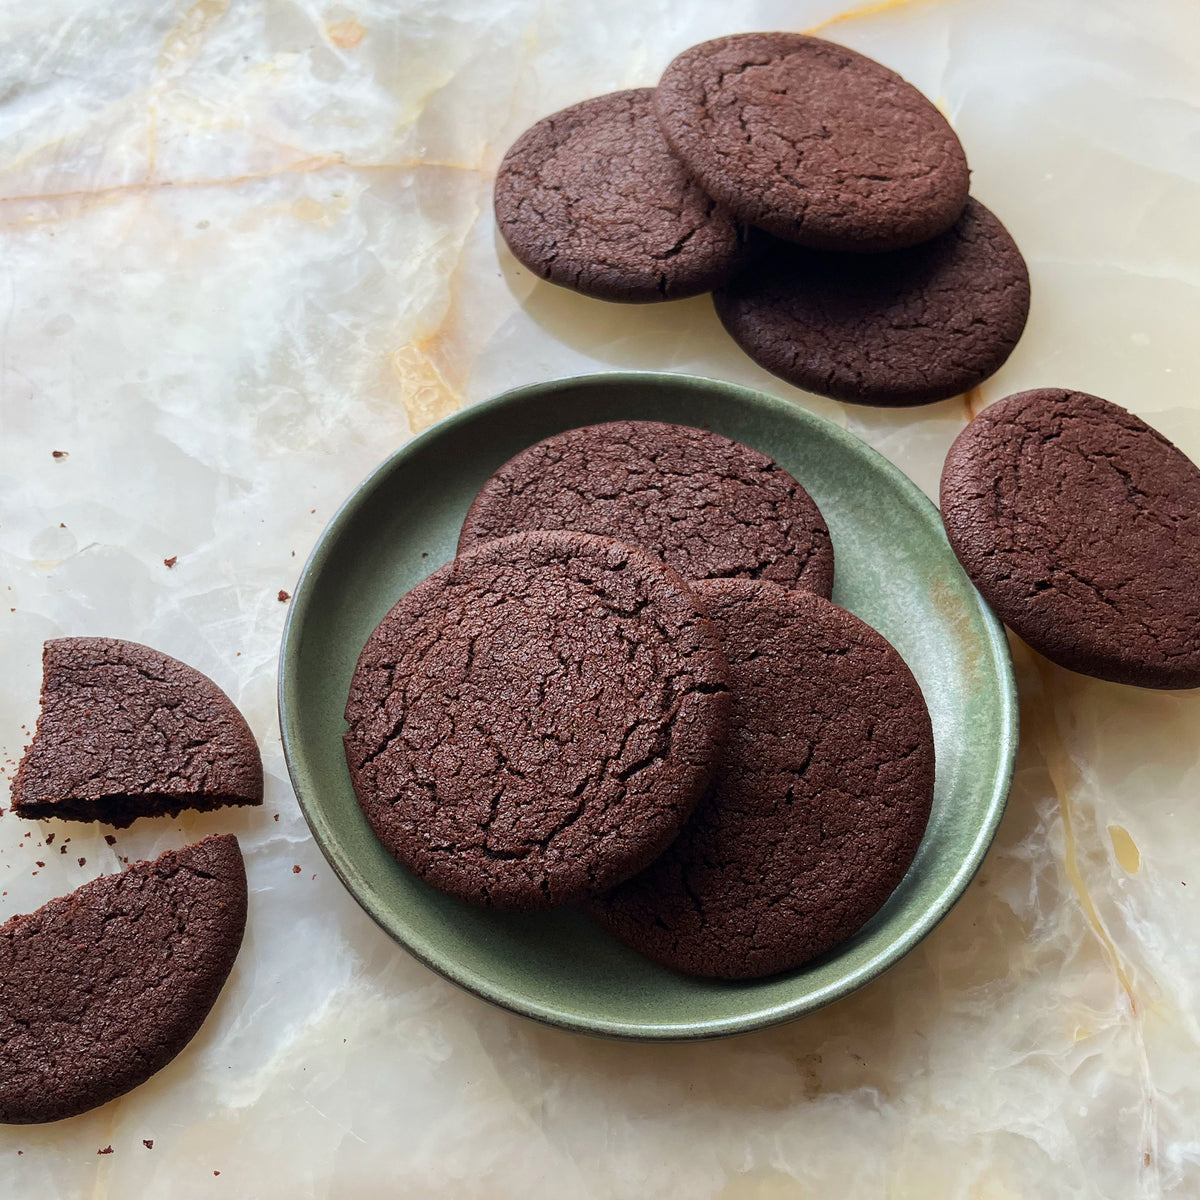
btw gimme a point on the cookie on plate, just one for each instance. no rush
(126, 732)
(813, 142)
(102, 988)
(535, 721)
(1080, 526)
(708, 506)
(894, 329)
(593, 199)
(817, 809)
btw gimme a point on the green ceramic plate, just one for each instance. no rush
(894, 569)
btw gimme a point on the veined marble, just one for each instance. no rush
(246, 249)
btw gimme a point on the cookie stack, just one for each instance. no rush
(630, 690)
(821, 198)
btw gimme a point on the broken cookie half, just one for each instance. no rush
(102, 988)
(126, 732)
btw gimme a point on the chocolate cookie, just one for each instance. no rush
(1080, 525)
(813, 142)
(817, 809)
(102, 988)
(593, 199)
(708, 506)
(534, 722)
(909, 327)
(128, 732)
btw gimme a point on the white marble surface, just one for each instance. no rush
(245, 251)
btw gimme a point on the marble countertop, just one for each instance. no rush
(246, 250)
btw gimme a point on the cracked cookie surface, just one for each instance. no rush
(126, 731)
(1080, 526)
(905, 328)
(813, 142)
(817, 809)
(102, 988)
(593, 199)
(708, 506)
(534, 722)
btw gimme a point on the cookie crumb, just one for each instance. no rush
(60, 454)
(148, 1143)
(276, 816)
(170, 562)
(40, 863)
(108, 837)
(49, 839)
(296, 869)
(83, 862)
(106, 1150)
(283, 596)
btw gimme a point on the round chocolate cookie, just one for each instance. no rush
(708, 506)
(127, 731)
(1080, 525)
(593, 199)
(904, 328)
(817, 809)
(535, 721)
(813, 142)
(102, 988)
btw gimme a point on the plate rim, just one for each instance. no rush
(368, 898)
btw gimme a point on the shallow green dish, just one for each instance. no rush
(894, 569)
